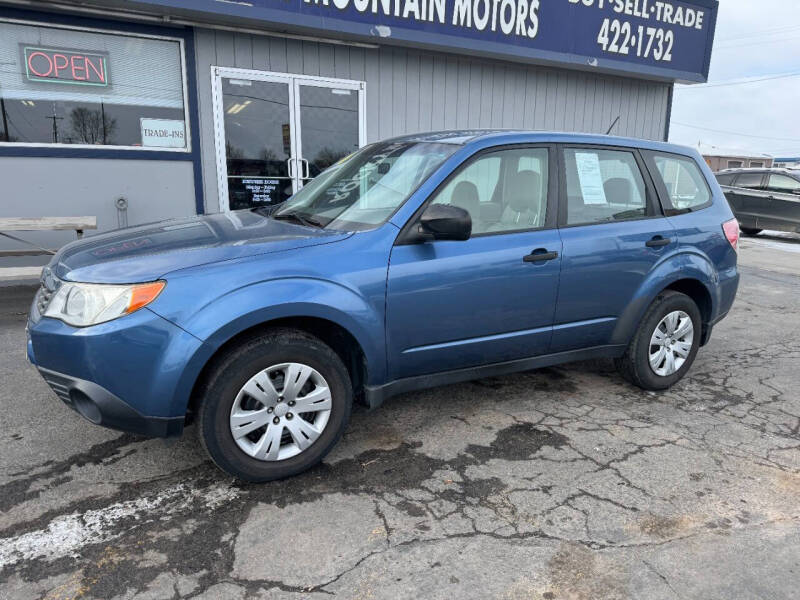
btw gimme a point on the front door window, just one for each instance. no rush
(502, 191)
(275, 132)
(783, 184)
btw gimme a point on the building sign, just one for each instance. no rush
(163, 133)
(66, 66)
(671, 39)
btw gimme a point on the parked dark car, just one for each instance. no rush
(419, 261)
(763, 198)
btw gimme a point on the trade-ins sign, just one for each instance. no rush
(74, 67)
(671, 39)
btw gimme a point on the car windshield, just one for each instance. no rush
(366, 188)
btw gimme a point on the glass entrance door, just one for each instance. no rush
(257, 116)
(329, 130)
(275, 131)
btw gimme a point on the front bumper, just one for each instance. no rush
(101, 407)
(130, 374)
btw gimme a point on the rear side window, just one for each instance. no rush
(603, 186)
(686, 186)
(749, 180)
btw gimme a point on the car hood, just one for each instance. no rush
(148, 252)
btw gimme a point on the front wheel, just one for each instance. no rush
(274, 406)
(665, 345)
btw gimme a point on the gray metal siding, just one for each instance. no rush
(78, 187)
(410, 90)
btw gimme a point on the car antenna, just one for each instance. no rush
(612, 125)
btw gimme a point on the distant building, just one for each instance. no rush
(732, 158)
(788, 162)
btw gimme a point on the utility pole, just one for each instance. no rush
(5, 118)
(103, 116)
(55, 123)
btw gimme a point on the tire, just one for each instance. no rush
(751, 232)
(271, 356)
(635, 364)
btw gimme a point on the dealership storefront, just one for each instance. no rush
(142, 110)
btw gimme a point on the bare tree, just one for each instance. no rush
(328, 156)
(92, 126)
(233, 152)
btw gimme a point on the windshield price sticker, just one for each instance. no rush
(656, 41)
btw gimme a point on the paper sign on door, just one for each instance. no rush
(590, 177)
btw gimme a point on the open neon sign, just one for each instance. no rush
(66, 66)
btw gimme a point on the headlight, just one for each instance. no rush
(83, 304)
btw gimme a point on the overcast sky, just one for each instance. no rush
(756, 39)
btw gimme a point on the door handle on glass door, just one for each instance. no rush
(304, 161)
(289, 166)
(540, 255)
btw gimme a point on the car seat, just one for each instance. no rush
(523, 201)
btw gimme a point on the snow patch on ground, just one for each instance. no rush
(66, 535)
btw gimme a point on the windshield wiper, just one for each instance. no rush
(298, 218)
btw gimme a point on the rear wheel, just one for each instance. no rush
(274, 406)
(750, 232)
(665, 345)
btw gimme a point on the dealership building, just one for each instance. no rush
(133, 111)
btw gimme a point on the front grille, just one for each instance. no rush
(60, 385)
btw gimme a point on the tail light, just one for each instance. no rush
(731, 229)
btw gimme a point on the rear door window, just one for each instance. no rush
(685, 184)
(726, 179)
(749, 180)
(603, 186)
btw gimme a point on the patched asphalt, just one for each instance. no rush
(562, 483)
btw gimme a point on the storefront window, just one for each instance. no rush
(64, 86)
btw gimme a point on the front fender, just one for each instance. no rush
(252, 305)
(684, 264)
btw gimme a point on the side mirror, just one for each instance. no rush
(445, 222)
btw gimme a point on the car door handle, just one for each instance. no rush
(540, 255)
(658, 242)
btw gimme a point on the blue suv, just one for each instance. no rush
(415, 262)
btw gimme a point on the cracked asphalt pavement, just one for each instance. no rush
(562, 483)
